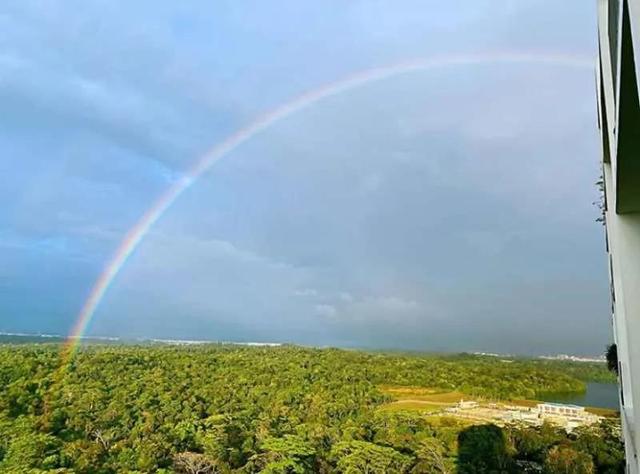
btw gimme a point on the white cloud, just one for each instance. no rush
(345, 296)
(371, 183)
(372, 310)
(306, 292)
(326, 311)
(386, 309)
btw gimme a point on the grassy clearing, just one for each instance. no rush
(419, 399)
(607, 412)
(397, 389)
(411, 405)
(421, 394)
(523, 403)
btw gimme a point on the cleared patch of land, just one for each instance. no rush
(411, 405)
(432, 400)
(419, 399)
(421, 394)
(603, 412)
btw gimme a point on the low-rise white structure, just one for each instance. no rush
(567, 416)
(467, 405)
(559, 409)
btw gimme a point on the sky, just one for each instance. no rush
(448, 209)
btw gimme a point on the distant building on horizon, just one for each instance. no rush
(619, 123)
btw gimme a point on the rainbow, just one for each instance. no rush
(135, 235)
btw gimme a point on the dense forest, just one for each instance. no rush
(218, 409)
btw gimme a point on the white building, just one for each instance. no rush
(568, 416)
(558, 409)
(619, 121)
(469, 404)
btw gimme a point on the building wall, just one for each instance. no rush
(619, 121)
(624, 243)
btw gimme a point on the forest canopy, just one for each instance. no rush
(220, 408)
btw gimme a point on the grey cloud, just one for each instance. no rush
(326, 311)
(209, 281)
(448, 209)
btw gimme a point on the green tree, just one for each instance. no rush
(603, 442)
(611, 355)
(361, 457)
(483, 449)
(289, 454)
(566, 460)
(30, 452)
(195, 463)
(431, 458)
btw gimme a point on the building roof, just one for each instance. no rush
(560, 405)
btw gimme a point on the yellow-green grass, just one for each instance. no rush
(523, 403)
(423, 394)
(606, 412)
(405, 389)
(411, 405)
(419, 399)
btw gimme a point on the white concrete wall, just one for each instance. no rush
(623, 234)
(623, 237)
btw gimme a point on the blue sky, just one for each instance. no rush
(444, 210)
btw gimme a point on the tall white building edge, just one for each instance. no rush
(619, 122)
